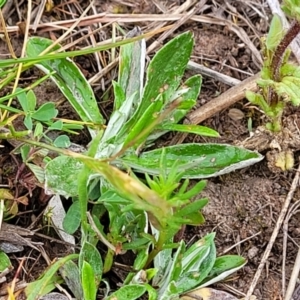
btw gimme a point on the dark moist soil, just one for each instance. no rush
(243, 205)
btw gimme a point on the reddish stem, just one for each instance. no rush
(279, 52)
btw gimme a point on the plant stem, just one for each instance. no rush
(158, 247)
(281, 48)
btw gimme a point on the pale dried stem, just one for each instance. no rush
(274, 234)
(295, 273)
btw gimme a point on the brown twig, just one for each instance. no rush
(215, 105)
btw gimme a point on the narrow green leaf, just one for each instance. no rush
(141, 258)
(2, 2)
(69, 79)
(90, 254)
(194, 191)
(72, 219)
(197, 262)
(48, 288)
(275, 33)
(4, 261)
(188, 99)
(31, 100)
(22, 98)
(88, 282)
(28, 122)
(35, 289)
(128, 292)
(70, 273)
(132, 68)
(195, 218)
(191, 208)
(223, 267)
(188, 95)
(166, 69)
(119, 95)
(148, 117)
(196, 129)
(38, 130)
(172, 272)
(195, 160)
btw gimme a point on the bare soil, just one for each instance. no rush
(243, 205)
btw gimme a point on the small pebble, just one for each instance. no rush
(252, 252)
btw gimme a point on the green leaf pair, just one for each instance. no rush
(44, 113)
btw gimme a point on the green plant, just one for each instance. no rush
(106, 176)
(280, 79)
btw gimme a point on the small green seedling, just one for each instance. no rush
(280, 79)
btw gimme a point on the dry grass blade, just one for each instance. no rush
(184, 7)
(213, 74)
(295, 273)
(274, 234)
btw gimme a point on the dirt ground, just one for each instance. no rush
(244, 205)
